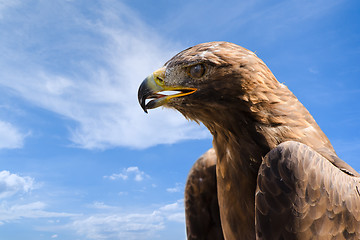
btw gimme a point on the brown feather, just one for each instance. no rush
(323, 212)
(304, 190)
(201, 202)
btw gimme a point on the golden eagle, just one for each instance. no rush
(274, 174)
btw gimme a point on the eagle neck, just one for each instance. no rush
(237, 139)
(239, 157)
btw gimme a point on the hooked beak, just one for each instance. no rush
(154, 89)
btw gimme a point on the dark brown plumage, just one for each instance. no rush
(201, 202)
(277, 174)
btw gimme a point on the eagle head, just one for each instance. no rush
(209, 79)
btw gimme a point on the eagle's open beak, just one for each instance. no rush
(154, 89)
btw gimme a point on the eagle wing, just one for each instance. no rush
(301, 195)
(201, 202)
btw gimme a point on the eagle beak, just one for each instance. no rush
(154, 89)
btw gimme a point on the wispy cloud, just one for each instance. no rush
(108, 222)
(10, 136)
(121, 225)
(102, 206)
(88, 67)
(10, 210)
(33, 210)
(178, 187)
(255, 18)
(313, 70)
(98, 88)
(174, 211)
(130, 172)
(4, 5)
(130, 226)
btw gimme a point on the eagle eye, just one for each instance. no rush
(197, 71)
(160, 80)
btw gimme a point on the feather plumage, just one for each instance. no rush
(273, 162)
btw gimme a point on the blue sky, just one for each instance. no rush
(79, 158)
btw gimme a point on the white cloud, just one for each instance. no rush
(31, 210)
(11, 184)
(101, 206)
(10, 208)
(130, 172)
(174, 211)
(131, 226)
(97, 87)
(171, 206)
(10, 136)
(178, 187)
(120, 225)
